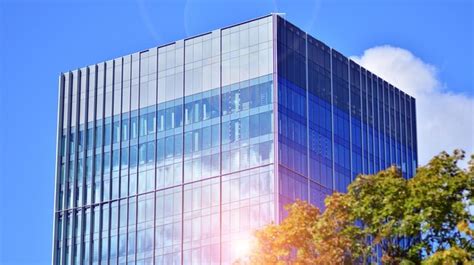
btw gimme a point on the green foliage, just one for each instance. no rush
(378, 203)
(289, 241)
(452, 256)
(337, 240)
(425, 220)
(441, 196)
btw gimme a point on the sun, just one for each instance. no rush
(242, 247)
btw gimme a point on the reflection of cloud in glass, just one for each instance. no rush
(254, 156)
(235, 160)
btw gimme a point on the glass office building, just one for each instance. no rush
(175, 154)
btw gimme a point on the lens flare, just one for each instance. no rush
(242, 248)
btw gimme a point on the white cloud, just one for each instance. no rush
(445, 119)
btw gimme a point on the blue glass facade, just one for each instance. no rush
(335, 120)
(175, 154)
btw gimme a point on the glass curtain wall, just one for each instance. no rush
(175, 154)
(165, 156)
(336, 120)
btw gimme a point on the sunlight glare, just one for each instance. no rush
(242, 247)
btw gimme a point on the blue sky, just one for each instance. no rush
(39, 39)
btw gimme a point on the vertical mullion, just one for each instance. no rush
(93, 165)
(156, 159)
(57, 178)
(220, 146)
(276, 162)
(84, 160)
(332, 123)
(138, 157)
(308, 160)
(127, 208)
(350, 119)
(66, 176)
(405, 143)
(183, 154)
(362, 112)
(109, 169)
(365, 134)
(414, 135)
(380, 167)
(73, 208)
(119, 156)
(102, 169)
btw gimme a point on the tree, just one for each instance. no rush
(452, 256)
(441, 195)
(425, 219)
(378, 203)
(290, 241)
(337, 240)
